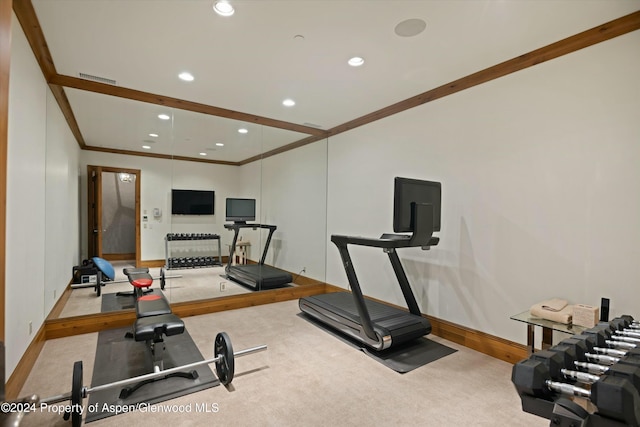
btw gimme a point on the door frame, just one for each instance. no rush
(96, 192)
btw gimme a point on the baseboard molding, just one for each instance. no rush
(25, 365)
(151, 263)
(119, 257)
(70, 326)
(52, 328)
(59, 305)
(490, 345)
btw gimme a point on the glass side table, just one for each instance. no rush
(547, 326)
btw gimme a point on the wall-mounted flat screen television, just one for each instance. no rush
(192, 202)
(241, 210)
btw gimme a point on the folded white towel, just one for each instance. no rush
(563, 316)
(554, 304)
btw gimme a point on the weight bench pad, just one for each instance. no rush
(154, 327)
(152, 305)
(139, 277)
(128, 271)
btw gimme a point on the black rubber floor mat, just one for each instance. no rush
(403, 358)
(115, 302)
(119, 358)
(409, 356)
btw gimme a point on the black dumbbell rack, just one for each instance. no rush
(173, 263)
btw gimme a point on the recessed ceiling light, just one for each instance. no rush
(243, 130)
(223, 8)
(203, 154)
(288, 102)
(219, 144)
(153, 135)
(163, 117)
(187, 77)
(356, 61)
(146, 147)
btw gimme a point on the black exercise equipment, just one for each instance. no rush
(223, 359)
(104, 273)
(616, 399)
(154, 322)
(546, 376)
(376, 325)
(255, 276)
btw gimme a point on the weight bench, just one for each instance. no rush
(154, 321)
(140, 279)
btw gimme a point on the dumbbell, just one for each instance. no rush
(616, 352)
(614, 397)
(622, 322)
(562, 362)
(608, 359)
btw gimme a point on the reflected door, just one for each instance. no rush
(113, 197)
(94, 199)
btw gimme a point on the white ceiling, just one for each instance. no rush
(250, 62)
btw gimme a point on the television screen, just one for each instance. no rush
(192, 202)
(241, 210)
(408, 191)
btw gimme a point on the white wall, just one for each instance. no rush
(62, 231)
(540, 191)
(294, 196)
(41, 201)
(158, 177)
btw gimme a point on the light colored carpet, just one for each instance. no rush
(306, 378)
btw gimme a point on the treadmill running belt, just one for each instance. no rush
(259, 277)
(392, 325)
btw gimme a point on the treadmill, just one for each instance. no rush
(255, 276)
(374, 324)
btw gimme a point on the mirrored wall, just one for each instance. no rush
(144, 153)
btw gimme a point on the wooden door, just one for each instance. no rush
(94, 200)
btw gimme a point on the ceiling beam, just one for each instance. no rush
(181, 104)
(284, 148)
(612, 29)
(158, 155)
(27, 17)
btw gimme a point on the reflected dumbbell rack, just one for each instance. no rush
(192, 244)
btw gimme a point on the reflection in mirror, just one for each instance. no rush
(199, 245)
(193, 151)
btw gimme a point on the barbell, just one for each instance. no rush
(224, 361)
(162, 277)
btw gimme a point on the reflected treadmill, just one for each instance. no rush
(255, 276)
(377, 325)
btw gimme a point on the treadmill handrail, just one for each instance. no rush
(422, 214)
(381, 242)
(422, 233)
(249, 225)
(236, 228)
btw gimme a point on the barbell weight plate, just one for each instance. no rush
(162, 278)
(225, 366)
(76, 395)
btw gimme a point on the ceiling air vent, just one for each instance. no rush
(97, 79)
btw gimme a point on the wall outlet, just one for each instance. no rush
(30, 327)
(54, 293)
(223, 286)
